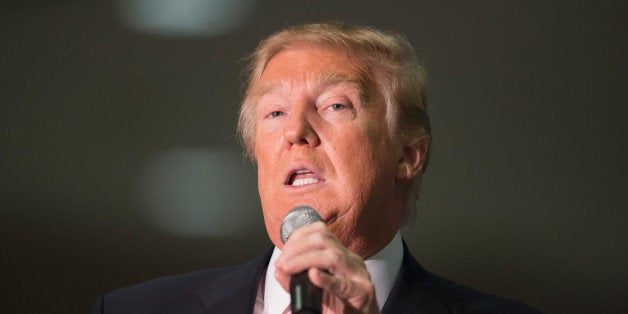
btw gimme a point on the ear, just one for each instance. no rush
(412, 160)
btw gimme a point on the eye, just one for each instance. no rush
(337, 107)
(276, 114)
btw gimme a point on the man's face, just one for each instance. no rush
(320, 141)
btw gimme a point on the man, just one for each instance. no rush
(335, 118)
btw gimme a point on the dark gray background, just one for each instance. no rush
(525, 196)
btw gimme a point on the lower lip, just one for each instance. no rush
(305, 185)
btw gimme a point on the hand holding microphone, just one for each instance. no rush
(320, 273)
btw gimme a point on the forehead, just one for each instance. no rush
(306, 58)
(310, 65)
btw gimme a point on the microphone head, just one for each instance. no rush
(296, 218)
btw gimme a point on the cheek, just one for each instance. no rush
(359, 165)
(372, 158)
(263, 152)
(264, 178)
(265, 168)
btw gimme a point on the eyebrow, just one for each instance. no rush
(324, 79)
(329, 78)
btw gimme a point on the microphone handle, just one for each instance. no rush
(306, 298)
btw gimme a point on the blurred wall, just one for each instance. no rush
(120, 162)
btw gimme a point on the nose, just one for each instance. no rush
(299, 130)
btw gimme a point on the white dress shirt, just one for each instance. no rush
(383, 268)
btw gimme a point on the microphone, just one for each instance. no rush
(305, 298)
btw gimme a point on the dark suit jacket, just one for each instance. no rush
(234, 290)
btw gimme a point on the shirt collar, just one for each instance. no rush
(384, 267)
(276, 299)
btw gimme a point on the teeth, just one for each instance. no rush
(305, 181)
(302, 171)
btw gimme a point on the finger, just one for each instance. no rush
(332, 257)
(358, 292)
(313, 239)
(344, 279)
(306, 232)
(283, 278)
(340, 286)
(328, 255)
(297, 264)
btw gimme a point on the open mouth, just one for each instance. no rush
(303, 177)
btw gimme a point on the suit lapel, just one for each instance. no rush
(235, 291)
(415, 290)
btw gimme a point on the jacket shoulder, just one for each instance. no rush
(417, 290)
(190, 292)
(461, 299)
(158, 295)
